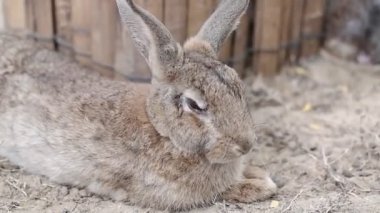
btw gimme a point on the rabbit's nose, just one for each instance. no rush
(245, 146)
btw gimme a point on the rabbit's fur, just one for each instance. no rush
(178, 143)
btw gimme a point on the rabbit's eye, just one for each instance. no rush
(194, 106)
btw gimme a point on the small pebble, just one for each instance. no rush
(83, 193)
(74, 191)
(63, 191)
(365, 174)
(347, 173)
(65, 211)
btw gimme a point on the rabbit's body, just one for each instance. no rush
(82, 130)
(169, 145)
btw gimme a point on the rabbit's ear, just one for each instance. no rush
(151, 38)
(222, 22)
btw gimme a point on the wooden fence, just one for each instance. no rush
(271, 34)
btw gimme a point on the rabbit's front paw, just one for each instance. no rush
(257, 186)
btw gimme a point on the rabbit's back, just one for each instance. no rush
(61, 121)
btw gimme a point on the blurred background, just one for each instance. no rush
(272, 34)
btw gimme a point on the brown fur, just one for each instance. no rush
(129, 141)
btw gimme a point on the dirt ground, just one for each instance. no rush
(318, 131)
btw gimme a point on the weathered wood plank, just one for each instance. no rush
(104, 28)
(175, 18)
(268, 36)
(2, 21)
(312, 26)
(296, 29)
(285, 30)
(199, 11)
(15, 15)
(63, 25)
(82, 30)
(43, 22)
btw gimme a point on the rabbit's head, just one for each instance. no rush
(196, 101)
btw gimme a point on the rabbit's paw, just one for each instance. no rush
(225, 154)
(257, 186)
(251, 171)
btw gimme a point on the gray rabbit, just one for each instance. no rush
(177, 143)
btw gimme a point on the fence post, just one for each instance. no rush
(267, 36)
(175, 18)
(312, 26)
(103, 48)
(42, 21)
(63, 26)
(297, 12)
(286, 23)
(15, 15)
(82, 29)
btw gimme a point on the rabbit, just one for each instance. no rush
(184, 141)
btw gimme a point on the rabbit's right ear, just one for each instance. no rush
(151, 38)
(219, 26)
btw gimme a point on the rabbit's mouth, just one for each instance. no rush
(228, 150)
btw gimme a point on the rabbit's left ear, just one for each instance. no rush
(222, 22)
(151, 38)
